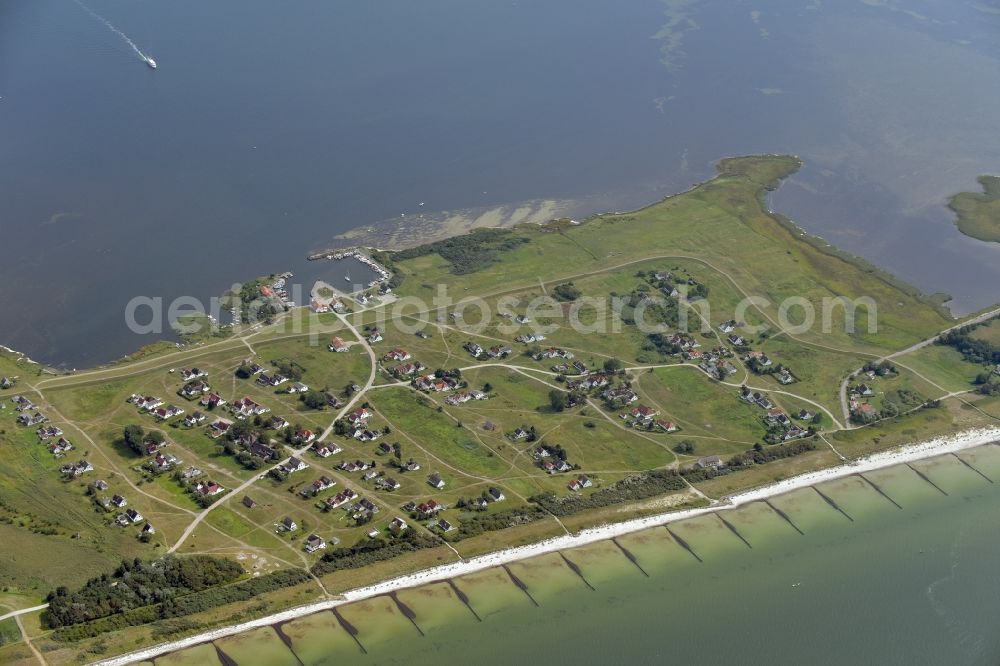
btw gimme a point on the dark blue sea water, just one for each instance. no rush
(270, 127)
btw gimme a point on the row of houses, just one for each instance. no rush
(398, 354)
(76, 469)
(245, 407)
(61, 447)
(775, 417)
(325, 449)
(273, 381)
(190, 374)
(326, 305)
(684, 342)
(207, 489)
(437, 384)
(620, 395)
(495, 352)
(491, 496)
(760, 363)
(642, 416)
(318, 486)
(715, 362)
(408, 369)
(154, 406)
(28, 419)
(163, 462)
(130, 516)
(194, 389)
(553, 352)
(461, 398)
(293, 465)
(597, 380)
(58, 448)
(340, 499)
(47, 432)
(145, 403)
(577, 367)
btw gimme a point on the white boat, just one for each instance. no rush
(151, 63)
(347, 277)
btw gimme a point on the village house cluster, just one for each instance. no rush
(59, 446)
(780, 426)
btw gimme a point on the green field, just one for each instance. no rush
(944, 365)
(989, 332)
(9, 633)
(439, 433)
(704, 409)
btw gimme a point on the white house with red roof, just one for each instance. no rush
(398, 354)
(338, 345)
(643, 413)
(359, 416)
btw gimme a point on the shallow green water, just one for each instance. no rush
(848, 574)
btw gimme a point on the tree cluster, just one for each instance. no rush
(373, 550)
(765, 454)
(137, 583)
(630, 489)
(188, 604)
(972, 349)
(468, 253)
(483, 522)
(289, 368)
(136, 437)
(566, 292)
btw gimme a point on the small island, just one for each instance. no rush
(979, 212)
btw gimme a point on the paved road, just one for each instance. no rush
(923, 343)
(23, 611)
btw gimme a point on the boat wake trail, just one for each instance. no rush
(146, 59)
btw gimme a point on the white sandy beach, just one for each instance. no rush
(934, 447)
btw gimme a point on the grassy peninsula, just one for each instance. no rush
(979, 212)
(324, 452)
